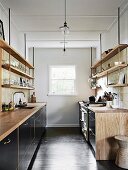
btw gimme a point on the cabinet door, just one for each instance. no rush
(32, 128)
(38, 128)
(24, 143)
(43, 118)
(24, 138)
(9, 152)
(40, 123)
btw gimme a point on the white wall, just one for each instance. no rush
(110, 40)
(62, 110)
(17, 42)
(17, 38)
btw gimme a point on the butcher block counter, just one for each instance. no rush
(104, 109)
(108, 123)
(9, 121)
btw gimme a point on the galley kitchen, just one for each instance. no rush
(63, 85)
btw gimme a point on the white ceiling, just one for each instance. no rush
(41, 19)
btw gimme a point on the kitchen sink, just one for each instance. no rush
(27, 107)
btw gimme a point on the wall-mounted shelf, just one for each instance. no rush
(16, 71)
(14, 53)
(94, 88)
(111, 54)
(17, 87)
(14, 63)
(117, 85)
(110, 70)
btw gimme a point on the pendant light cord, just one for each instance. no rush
(65, 10)
(118, 25)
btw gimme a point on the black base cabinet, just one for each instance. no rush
(40, 123)
(26, 137)
(9, 152)
(18, 148)
(30, 133)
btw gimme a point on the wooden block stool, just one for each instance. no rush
(122, 153)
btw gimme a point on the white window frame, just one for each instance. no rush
(49, 90)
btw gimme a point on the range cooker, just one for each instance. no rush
(87, 122)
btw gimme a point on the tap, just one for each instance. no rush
(17, 93)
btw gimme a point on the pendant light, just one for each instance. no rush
(64, 43)
(65, 28)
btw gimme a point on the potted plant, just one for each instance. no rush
(108, 97)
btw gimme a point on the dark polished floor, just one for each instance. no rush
(66, 149)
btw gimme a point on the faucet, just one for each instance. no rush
(16, 93)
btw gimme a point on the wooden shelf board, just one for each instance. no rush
(94, 88)
(4, 45)
(112, 53)
(118, 85)
(17, 87)
(110, 70)
(16, 71)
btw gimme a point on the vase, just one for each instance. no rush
(109, 104)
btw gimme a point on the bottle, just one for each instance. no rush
(10, 106)
(33, 98)
(20, 102)
(3, 107)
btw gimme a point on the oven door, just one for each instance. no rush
(84, 123)
(92, 129)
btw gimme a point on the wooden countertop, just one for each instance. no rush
(11, 120)
(104, 109)
(107, 110)
(109, 122)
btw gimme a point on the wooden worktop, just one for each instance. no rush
(109, 122)
(105, 109)
(11, 120)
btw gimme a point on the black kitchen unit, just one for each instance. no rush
(26, 139)
(18, 148)
(9, 152)
(87, 124)
(91, 124)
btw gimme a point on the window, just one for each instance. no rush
(62, 80)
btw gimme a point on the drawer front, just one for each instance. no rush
(9, 152)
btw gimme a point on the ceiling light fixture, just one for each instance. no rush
(64, 43)
(65, 28)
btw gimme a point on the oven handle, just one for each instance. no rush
(83, 111)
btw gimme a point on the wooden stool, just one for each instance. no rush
(122, 153)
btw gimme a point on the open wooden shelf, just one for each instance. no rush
(4, 45)
(94, 88)
(16, 71)
(110, 70)
(117, 85)
(112, 53)
(17, 87)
